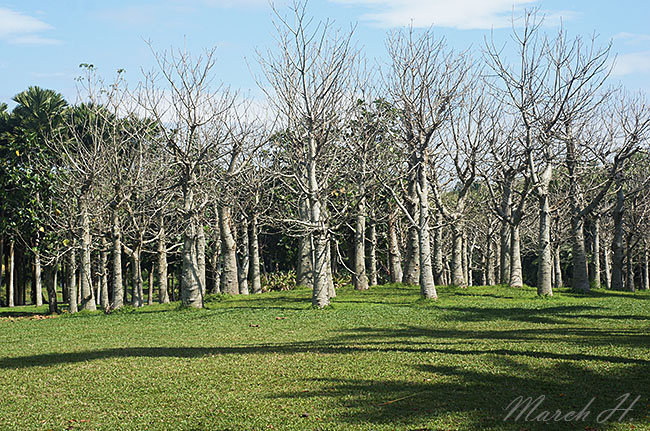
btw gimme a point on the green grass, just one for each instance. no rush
(376, 360)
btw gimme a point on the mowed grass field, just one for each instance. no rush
(376, 360)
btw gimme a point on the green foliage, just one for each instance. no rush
(278, 281)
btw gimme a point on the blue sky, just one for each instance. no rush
(42, 42)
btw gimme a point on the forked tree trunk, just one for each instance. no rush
(229, 282)
(372, 255)
(395, 261)
(254, 246)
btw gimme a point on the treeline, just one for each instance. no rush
(445, 168)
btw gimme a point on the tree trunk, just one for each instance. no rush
(243, 257)
(395, 262)
(12, 274)
(136, 273)
(427, 283)
(330, 265)
(489, 265)
(229, 282)
(254, 246)
(594, 267)
(412, 264)
(579, 255)
(150, 286)
(629, 276)
(200, 257)
(372, 255)
(607, 268)
(516, 274)
(72, 280)
(320, 294)
(545, 266)
(163, 294)
(360, 277)
(438, 266)
(557, 267)
(504, 253)
(118, 283)
(38, 280)
(304, 270)
(457, 273)
(646, 269)
(103, 262)
(617, 241)
(51, 290)
(85, 274)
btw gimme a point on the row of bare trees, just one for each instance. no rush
(443, 168)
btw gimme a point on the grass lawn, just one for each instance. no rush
(376, 360)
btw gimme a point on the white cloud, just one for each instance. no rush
(18, 28)
(460, 14)
(632, 63)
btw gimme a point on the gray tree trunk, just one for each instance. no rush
(87, 297)
(360, 277)
(136, 273)
(150, 286)
(163, 294)
(330, 276)
(579, 255)
(372, 255)
(200, 257)
(427, 283)
(489, 265)
(51, 288)
(557, 277)
(320, 294)
(545, 264)
(38, 279)
(516, 274)
(646, 269)
(617, 241)
(438, 266)
(72, 280)
(103, 262)
(229, 282)
(12, 274)
(242, 256)
(412, 264)
(504, 251)
(594, 267)
(118, 286)
(457, 273)
(607, 268)
(629, 276)
(304, 268)
(394, 258)
(254, 246)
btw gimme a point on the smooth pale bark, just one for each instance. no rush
(438, 266)
(254, 247)
(412, 258)
(394, 257)
(545, 264)
(372, 254)
(516, 274)
(489, 265)
(607, 268)
(243, 257)
(594, 267)
(320, 291)
(38, 279)
(504, 251)
(117, 282)
(200, 257)
(457, 272)
(617, 241)
(11, 282)
(163, 294)
(72, 281)
(136, 273)
(229, 282)
(360, 276)
(427, 283)
(85, 271)
(579, 255)
(304, 267)
(103, 262)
